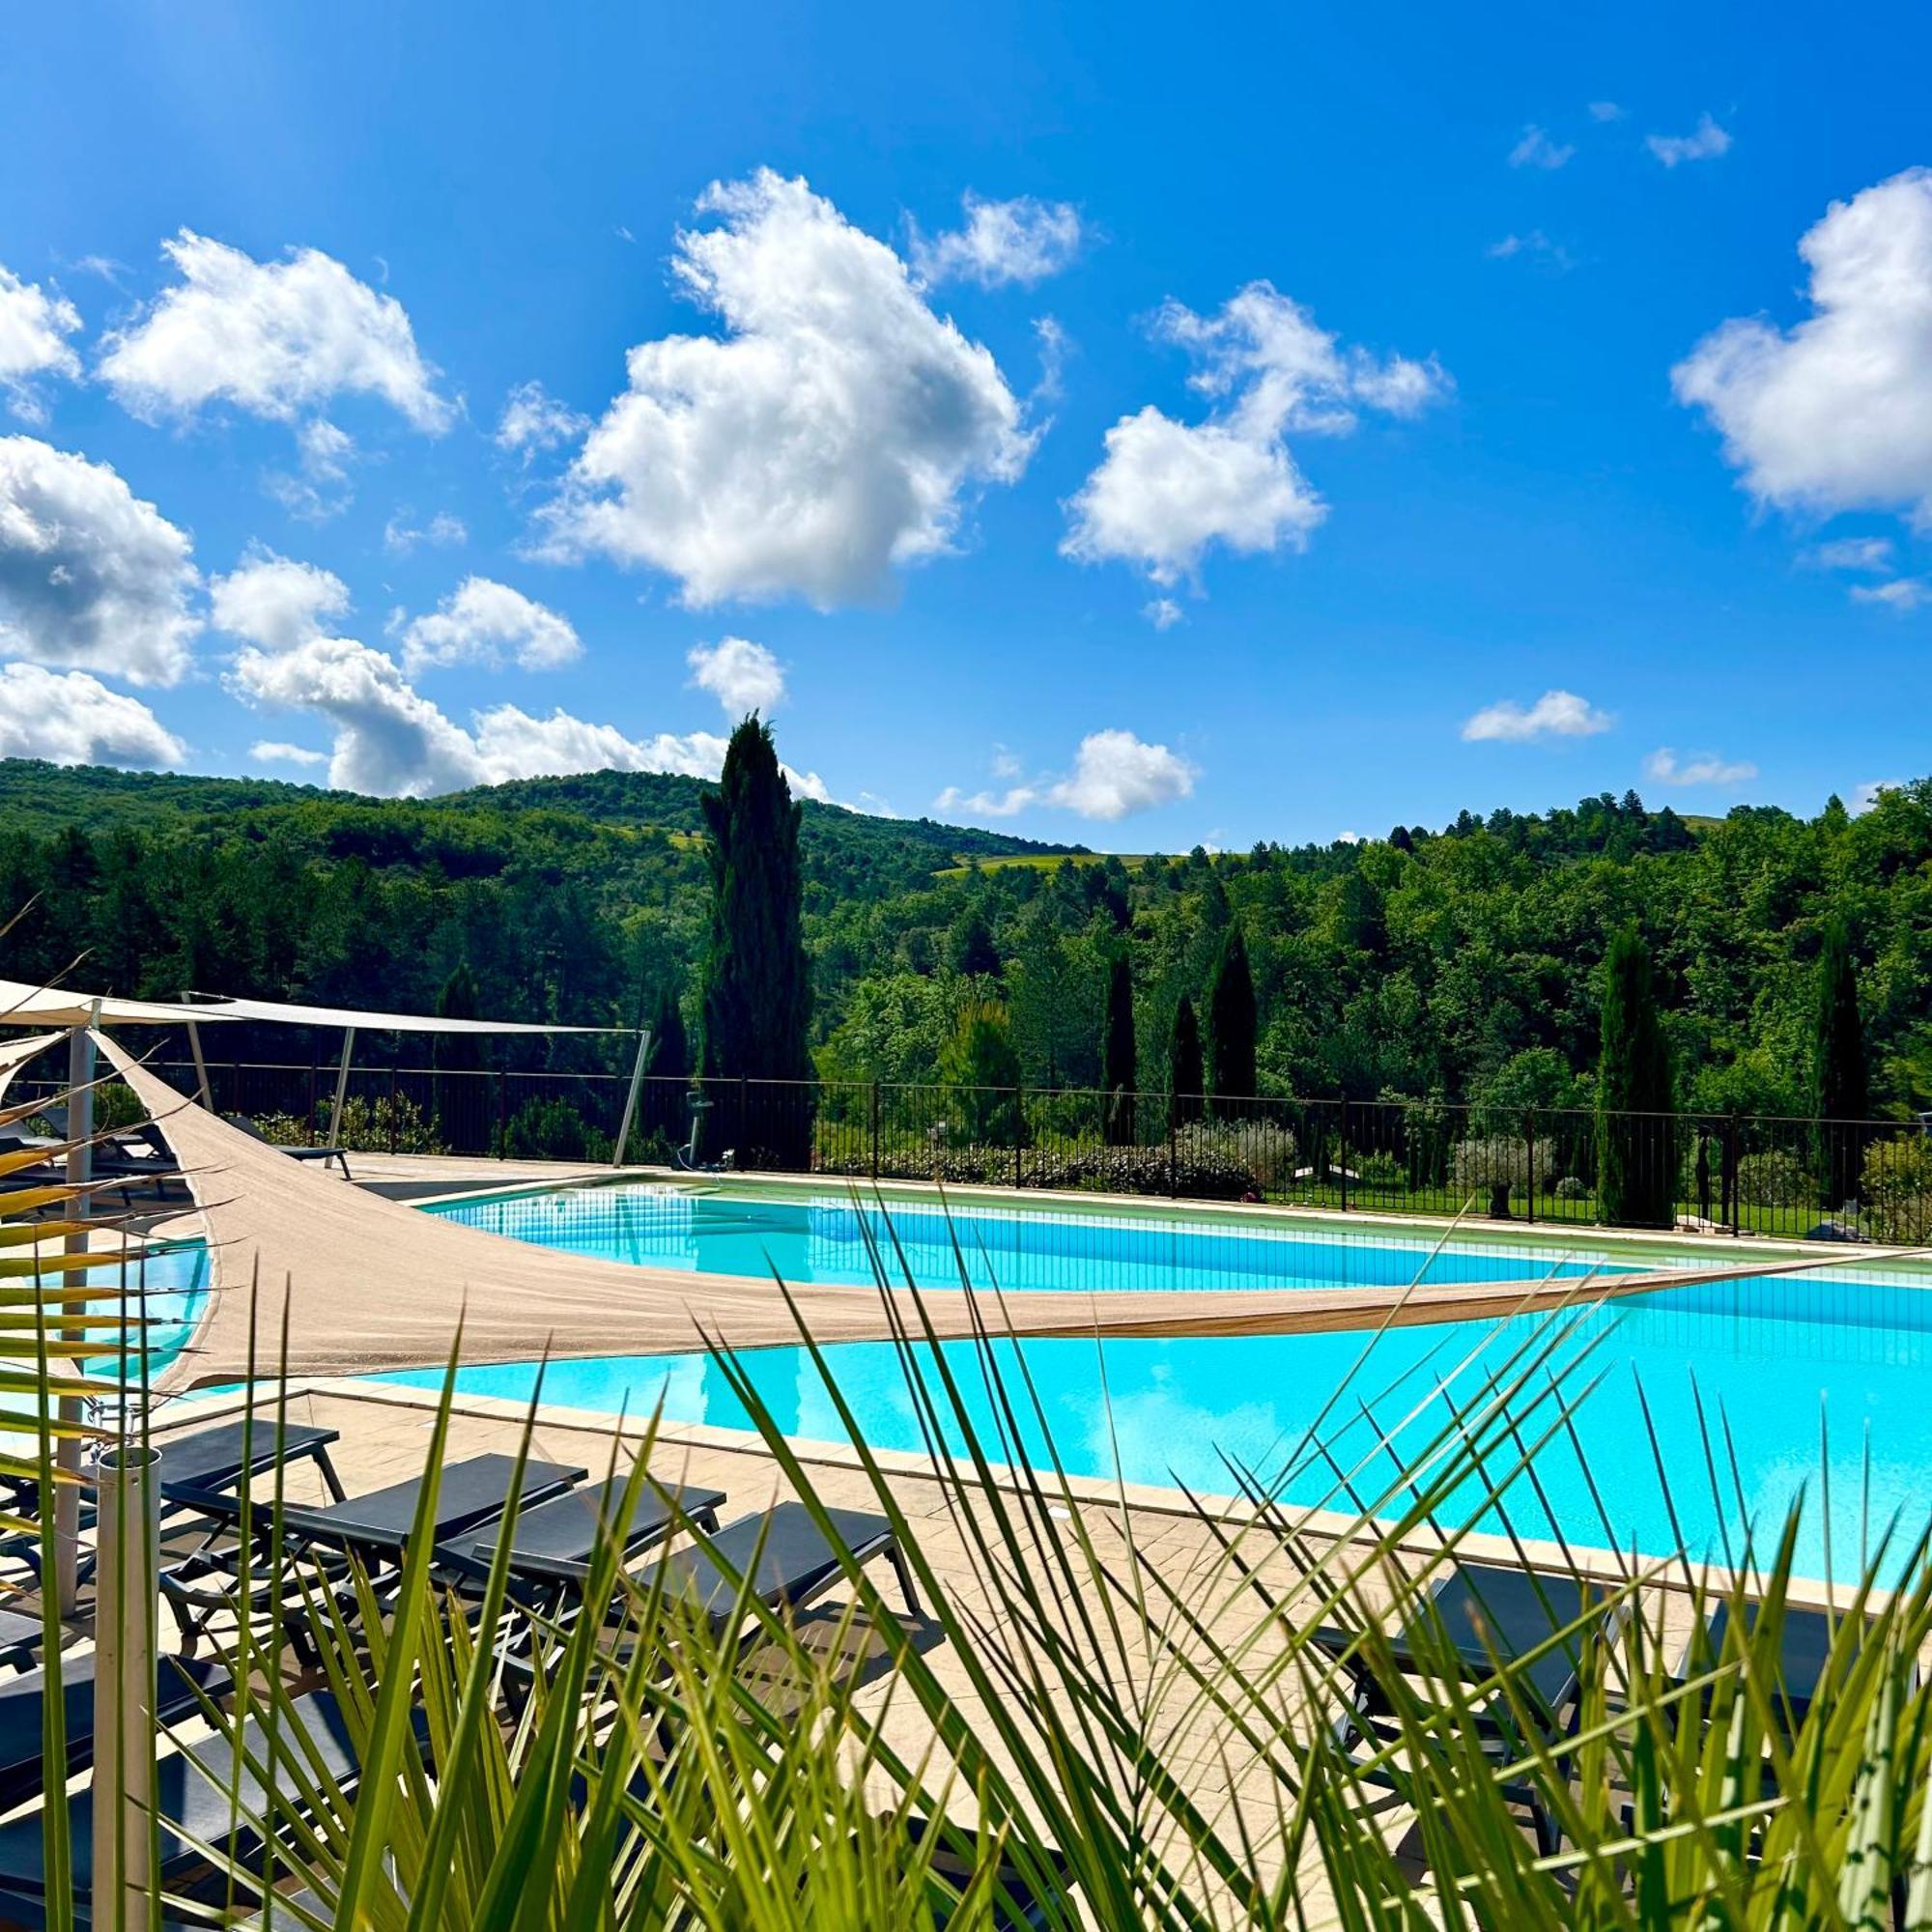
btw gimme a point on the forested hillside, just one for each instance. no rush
(1462, 962)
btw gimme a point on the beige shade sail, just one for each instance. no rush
(220, 1006)
(22, 1005)
(14, 1054)
(371, 1285)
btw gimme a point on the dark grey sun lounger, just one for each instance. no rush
(472, 1492)
(195, 1787)
(784, 1555)
(555, 1542)
(23, 1767)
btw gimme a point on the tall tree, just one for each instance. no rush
(463, 1110)
(969, 946)
(1117, 1055)
(664, 1108)
(1186, 1076)
(1231, 1020)
(757, 985)
(1637, 1141)
(1841, 1086)
(978, 1064)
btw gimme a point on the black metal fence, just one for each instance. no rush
(1724, 1174)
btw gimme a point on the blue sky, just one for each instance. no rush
(1118, 427)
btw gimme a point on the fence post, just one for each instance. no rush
(1019, 1132)
(1733, 1174)
(502, 1115)
(875, 1130)
(394, 1071)
(1529, 1150)
(1342, 1138)
(1172, 1171)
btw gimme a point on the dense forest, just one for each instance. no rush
(1463, 963)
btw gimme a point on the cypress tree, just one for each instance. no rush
(969, 946)
(1185, 1079)
(1636, 1160)
(462, 1103)
(1232, 1021)
(1839, 1084)
(756, 994)
(1117, 1057)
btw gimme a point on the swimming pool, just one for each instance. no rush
(822, 1238)
(175, 1279)
(1756, 1392)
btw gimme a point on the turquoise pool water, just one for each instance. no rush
(1769, 1364)
(175, 1280)
(822, 1238)
(1758, 1393)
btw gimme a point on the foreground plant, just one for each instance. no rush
(1117, 1736)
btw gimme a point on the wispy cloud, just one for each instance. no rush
(1901, 594)
(1704, 143)
(1535, 245)
(1698, 768)
(1534, 149)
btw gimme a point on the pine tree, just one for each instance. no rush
(1185, 1079)
(1637, 1157)
(1841, 1089)
(756, 997)
(969, 946)
(1232, 1021)
(462, 1101)
(1118, 1058)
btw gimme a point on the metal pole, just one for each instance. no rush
(73, 1409)
(341, 1087)
(200, 1065)
(126, 1602)
(630, 1098)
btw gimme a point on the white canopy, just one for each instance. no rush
(22, 1005)
(218, 1006)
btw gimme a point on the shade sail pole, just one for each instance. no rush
(126, 1602)
(630, 1098)
(73, 1409)
(341, 1087)
(200, 1066)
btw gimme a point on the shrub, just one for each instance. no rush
(1570, 1188)
(553, 1131)
(1897, 1191)
(1774, 1178)
(1264, 1150)
(1488, 1161)
(366, 1125)
(1381, 1170)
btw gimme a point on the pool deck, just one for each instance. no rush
(385, 1431)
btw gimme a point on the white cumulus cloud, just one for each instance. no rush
(1698, 768)
(73, 719)
(276, 601)
(743, 677)
(392, 741)
(484, 622)
(1021, 240)
(1705, 143)
(1165, 491)
(1115, 773)
(89, 575)
(828, 435)
(276, 339)
(1556, 714)
(34, 327)
(277, 751)
(1536, 150)
(1836, 413)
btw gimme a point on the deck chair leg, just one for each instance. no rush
(902, 1570)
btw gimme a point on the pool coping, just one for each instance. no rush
(1672, 1575)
